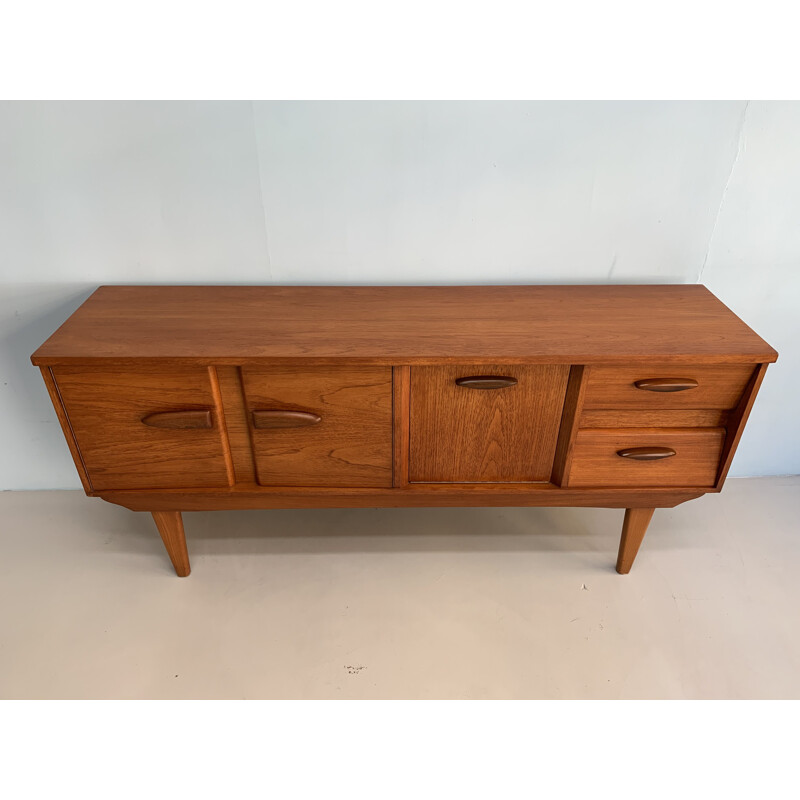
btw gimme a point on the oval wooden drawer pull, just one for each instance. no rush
(486, 382)
(179, 420)
(279, 418)
(666, 384)
(646, 453)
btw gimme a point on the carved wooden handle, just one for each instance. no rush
(646, 453)
(180, 420)
(486, 382)
(280, 418)
(666, 384)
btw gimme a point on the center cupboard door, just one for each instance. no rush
(484, 423)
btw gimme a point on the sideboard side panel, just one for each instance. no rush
(66, 427)
(736, 422)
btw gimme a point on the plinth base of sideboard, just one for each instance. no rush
(166, 506)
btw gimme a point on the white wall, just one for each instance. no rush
(477, 192)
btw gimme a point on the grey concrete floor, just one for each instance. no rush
(403, 603)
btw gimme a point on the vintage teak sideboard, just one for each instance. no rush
(184, 398)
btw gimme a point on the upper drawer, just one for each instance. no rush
(321, 426)
(145, 428)
(666, 386)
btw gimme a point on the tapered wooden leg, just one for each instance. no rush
(170, 526)
(633, 530)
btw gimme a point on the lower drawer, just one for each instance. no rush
(644, 457)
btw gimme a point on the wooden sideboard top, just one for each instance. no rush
(406, 325)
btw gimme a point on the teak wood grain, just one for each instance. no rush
(170, 527)
(351, 445)
(66, 428)
(717, 387)
(463, 435)
(105, 407)
(237, 426)
(570, 419)
(401, 378)
(190, 398)
(737, 421)
(442, 495)
(406, 325)
(662, 418)
(597, 461)
(634, 527)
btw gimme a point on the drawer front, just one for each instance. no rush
(697, 387)
(481, 430)
(320, 426)
(598, 459)
(147, 428)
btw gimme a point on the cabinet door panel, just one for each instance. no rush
(145, 428)
(484, 423)
(321, 426)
